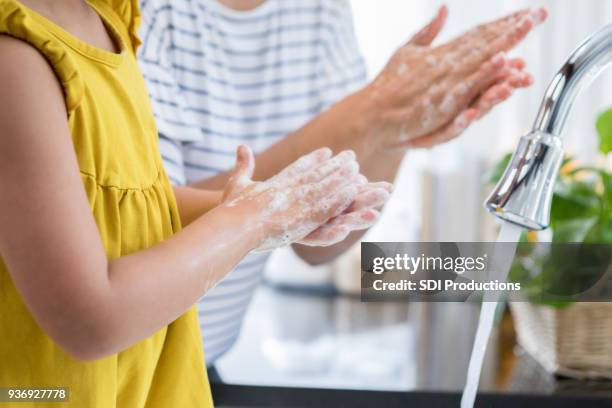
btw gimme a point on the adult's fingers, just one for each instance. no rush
(515, 33)
(483, 33)
(516, 63)
(428, 33)
(513, 73)
(492, 97)
(518, 79)
(486, 75)
(449, 103)
(448, 132)
(471, 54)
(495, 95)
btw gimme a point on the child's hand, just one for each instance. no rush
(318, 200)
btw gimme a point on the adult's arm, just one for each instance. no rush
(425, 96)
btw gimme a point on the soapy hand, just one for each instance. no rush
(431, 94)
(318, 200)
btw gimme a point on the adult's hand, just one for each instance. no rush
(427, 95)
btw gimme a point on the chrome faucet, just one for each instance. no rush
(523, 196)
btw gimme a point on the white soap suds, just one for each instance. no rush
(462, 89)
(304, 197)
(448, 104)
(427, 117)
(402, 69)
(279, 202)
(286, 238)
(461, 122)
(449, 60)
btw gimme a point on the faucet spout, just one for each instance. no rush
(583, 66)
(524, 194)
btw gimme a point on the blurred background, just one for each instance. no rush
(305, 326)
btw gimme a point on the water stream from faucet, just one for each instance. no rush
(502, 261)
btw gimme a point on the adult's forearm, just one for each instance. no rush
(351, 124)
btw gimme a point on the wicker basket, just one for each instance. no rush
(575, 341)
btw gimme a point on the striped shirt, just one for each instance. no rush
(219, 78)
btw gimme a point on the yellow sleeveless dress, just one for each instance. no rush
(115, 141)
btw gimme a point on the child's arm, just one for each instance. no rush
(194, 202)
(49, 241)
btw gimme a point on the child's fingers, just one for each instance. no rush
(245, 163)
(378, 184)
(242, 172)
(322, 193)
(302, 165)
(357, 220)
(326, 236)
(333, 203)
(338, 228)
(345, 159)
(369, 197)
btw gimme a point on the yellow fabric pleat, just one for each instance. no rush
(115, 141)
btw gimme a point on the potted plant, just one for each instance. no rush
(566, 337)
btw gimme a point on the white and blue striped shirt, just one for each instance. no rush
(219, 78)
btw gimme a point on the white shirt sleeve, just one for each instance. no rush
(172, 118)
(174, 122)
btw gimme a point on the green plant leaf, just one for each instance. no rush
(600, 232)
(574, 199)
(604, 129)
(573, 230)
(607, 196)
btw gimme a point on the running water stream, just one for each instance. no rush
(502, 260)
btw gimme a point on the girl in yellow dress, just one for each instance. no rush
(90, 226)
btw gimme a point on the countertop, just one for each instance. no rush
(304, 348)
